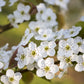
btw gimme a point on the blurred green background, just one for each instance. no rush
(13, 37)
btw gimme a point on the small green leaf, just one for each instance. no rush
(81, 34)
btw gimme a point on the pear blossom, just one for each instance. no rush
(49, 17)
(41, 9)
(79, 41)
(62, 3)
(12, 2)
(80, 63)
(35, 26)
(5, 57)
(26, 38)
(22, 57)
(11, 18)
(67, 48)
(72, 32)
(33, 52)
(22, 13)
(47, 48)
(2, 3)
(46, 35)
(47, 68)
(11, 77)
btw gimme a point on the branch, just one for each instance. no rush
(5, 27)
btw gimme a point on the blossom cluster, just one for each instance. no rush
(42, 45)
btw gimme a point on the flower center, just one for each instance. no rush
(23, 57)
(13, 19)
(46, 48)
(49, 18)
(47, 68)
(41, 12)
(22, 12)
(68, 60)
(11, 79)
(33, 53)
(79, 43)
(37, 29)
(67, 47)
(44, 35)
(71, 32)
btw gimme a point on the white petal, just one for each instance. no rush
(49, 75)
(54, 69)
(17, 76)
(51, 52)
(41, 63)
(10, 73)
(20, 64)
(49, 61)
(40, 73)
(52, 44)
(1, 65)
(63, 65)
(32, 46)
(4, 79)
(30, 67)
(79, 67)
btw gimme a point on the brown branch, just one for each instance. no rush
(5, 27)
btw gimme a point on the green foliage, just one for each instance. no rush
(81, 34)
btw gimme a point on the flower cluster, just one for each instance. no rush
(20, 15)
(42, 45)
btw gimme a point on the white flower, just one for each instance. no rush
(49, 17)
(33, 52)
(35, 26)
(52, 2)
(45, 35)
(11, 77)
(2, 3)
(67, 48)
(12, 2)
(80, 63)
(4, 58)
(82, 18)
(47, 48)
(12, 20)
(47, 68)
(72, 32)
(22, 13)
(79, 41)
(41, 9)
(62, 3)
(26, 38)
(22, 57)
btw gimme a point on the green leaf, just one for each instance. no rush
(39, 80)
(81, 34)
(27, 77)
